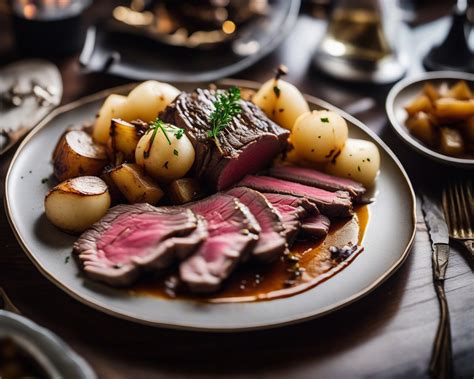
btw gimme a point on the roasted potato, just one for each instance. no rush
(358, 160)
(318, 135)
(114, 107)
(281, 101)
(460, 91)
(185, 190)
(144, 102)
(132, 182)
(420, 104)
(454, 109)
(149, 98)
(124, 138)
(115, 194)
(75, 204)
(430, 91)
(421, 125)
(451, 142)
(165, 152)
(447, 124)
(76, 154)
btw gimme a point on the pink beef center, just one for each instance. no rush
(133, 235)
(266, 183)
(254, 158)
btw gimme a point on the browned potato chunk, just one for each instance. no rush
(115, 194)
(460, 91)
(451, 142)
(77, 203)
(454, 109)
(124, 138)
(76, 154)
(185, 190)
(421, 126)
(430, 91)
(132, 182)
(420, 104)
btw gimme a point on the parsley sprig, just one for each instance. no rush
(165, 128)
(226, 106)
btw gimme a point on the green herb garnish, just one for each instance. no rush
(66, 260)
(226, 106)
(175, 152)
(160, 125)
(325, 119)
(44, 180)
(179, 133)
(277, 91)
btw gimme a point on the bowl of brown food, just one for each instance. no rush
(28, 350)
(434, 114)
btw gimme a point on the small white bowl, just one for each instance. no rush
(405, 91)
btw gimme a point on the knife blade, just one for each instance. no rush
(439, 235)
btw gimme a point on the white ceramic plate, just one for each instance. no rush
(387, 242)
(405, 91)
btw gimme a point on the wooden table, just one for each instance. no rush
(388, 333)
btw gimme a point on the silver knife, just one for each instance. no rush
(441, 362)
(439, 235)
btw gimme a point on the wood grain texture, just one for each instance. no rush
(386, 334)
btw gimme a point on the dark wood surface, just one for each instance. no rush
(389, 333)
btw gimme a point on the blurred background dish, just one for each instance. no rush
(29, 351)
(187, 41)
(407, 90)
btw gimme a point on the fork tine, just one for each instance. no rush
(448, 211)
(462, 207)
(466, 205)
(453, 210)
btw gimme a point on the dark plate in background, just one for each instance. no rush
(140, 58)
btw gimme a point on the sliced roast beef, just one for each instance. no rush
(272, 242)
(331, 204)
(247, 144)
(233, 233)
(316, 225)
(129, 237)
(292, 209)
(315, 178)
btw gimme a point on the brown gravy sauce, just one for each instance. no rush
(257, 282)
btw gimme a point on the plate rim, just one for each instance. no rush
(401, 130)
(87, 300)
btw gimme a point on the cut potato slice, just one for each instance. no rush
(460, 91)
(76, 204)
(430, 91)
(76, 154)
(124, 138)
(455, 109)
(451, 142)
(421, 126)
(185, 190)
(420, 104)
(132, 182)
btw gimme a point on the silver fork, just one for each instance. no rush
(458, 204)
